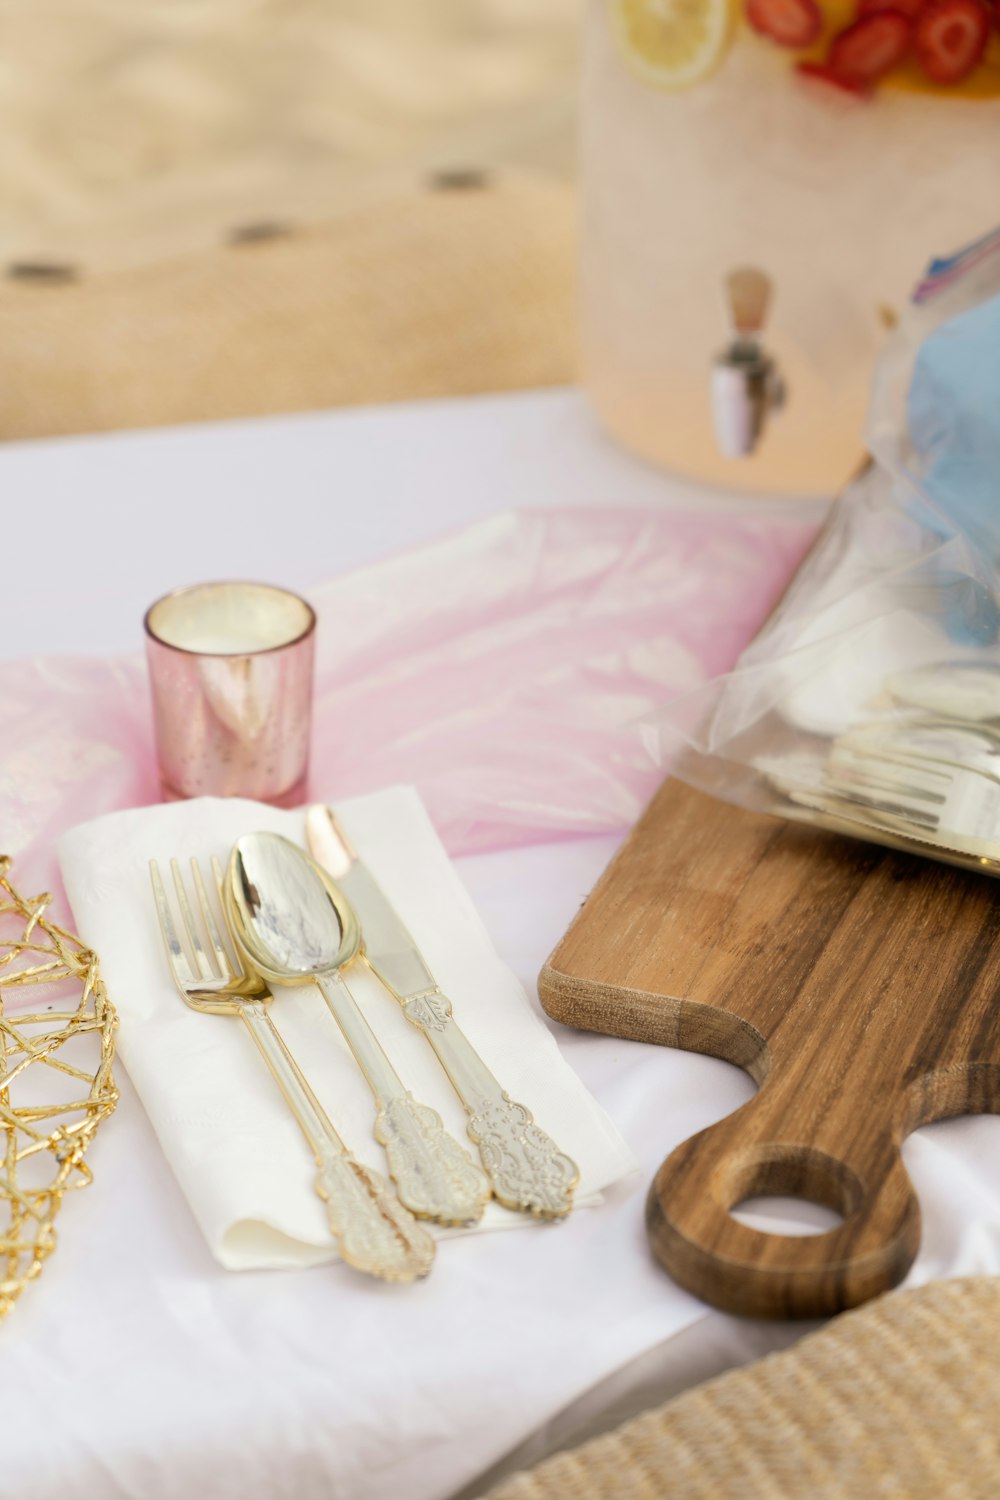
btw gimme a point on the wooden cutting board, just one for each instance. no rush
(859, 988)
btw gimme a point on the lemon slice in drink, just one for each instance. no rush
(672, 44)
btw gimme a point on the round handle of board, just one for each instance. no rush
(747, 1271)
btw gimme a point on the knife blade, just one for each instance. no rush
(389, 948)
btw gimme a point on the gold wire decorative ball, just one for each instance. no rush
(56, 1085)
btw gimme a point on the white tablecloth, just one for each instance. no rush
(136, 1367)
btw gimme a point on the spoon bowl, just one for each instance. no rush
(286, 913)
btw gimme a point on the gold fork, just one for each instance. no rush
(373, 1230)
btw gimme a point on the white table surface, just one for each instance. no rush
(294, 499)
(123, 1309)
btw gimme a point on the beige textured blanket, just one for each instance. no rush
(898, 1400)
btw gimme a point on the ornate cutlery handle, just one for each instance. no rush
(435, 1177)
(373, 1231)
(528, 1171)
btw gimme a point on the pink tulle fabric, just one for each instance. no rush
(501, 670)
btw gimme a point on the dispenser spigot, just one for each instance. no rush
(746, 385)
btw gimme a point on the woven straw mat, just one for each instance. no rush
(900, 1398)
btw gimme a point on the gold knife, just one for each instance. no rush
(527, 1170)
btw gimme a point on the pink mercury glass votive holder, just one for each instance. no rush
(231, 674)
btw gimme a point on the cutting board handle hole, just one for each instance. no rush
(773, 1215)
(761, 1179)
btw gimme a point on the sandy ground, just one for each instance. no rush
(138, 129)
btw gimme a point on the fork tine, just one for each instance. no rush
(204, 966)
(222, 959)
(235, 962)
(869, 785)
(177, 958)
(883, 804)
(916, 770)
(872, 790)
(916, 780)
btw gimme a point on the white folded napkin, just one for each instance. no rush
(239, 1156)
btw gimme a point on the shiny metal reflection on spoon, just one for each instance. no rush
(295, 928)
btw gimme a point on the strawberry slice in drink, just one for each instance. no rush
(871, 47)
(825, 74)
(950, 38)
(909, 8)
(790, 23)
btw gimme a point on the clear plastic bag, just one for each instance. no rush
(870, 701)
